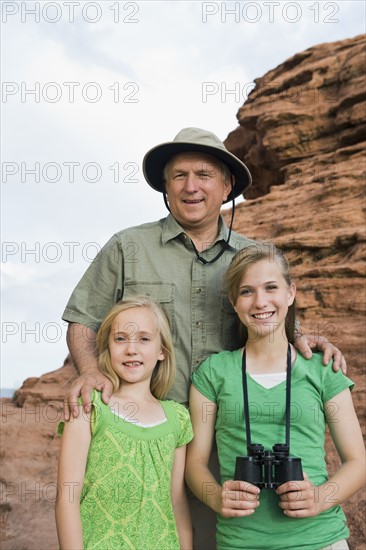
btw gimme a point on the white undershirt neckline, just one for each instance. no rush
(269, 380)
(136, 422)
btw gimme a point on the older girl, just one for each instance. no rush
(296, 514)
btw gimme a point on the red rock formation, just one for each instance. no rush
(300, 134)
(29, 456)
(311, 107)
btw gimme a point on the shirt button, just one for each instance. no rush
(198, 324)
(198, 290)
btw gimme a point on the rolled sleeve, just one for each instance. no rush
(99, 288)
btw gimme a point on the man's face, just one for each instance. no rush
(196, 189)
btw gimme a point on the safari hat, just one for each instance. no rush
(194, 140)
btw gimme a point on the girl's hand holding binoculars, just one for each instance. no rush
(238, 499)
(298, 499)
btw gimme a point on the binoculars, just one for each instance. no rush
(268, 469)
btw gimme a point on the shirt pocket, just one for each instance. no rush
(231, 333)
(162, 292)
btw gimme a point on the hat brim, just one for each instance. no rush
(156, 159)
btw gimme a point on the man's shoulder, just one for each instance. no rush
(240, 240)
(142, 228)
(147, 226)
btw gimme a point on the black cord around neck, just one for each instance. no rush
(225, 246)
(288, 398)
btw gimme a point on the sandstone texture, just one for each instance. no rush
(29, 456)
(300, 132)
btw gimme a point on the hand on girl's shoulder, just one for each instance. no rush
(315, 362)
(322, 377)
(96, 397)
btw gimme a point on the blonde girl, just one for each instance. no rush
(121, 467)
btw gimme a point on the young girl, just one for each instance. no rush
(121, 468)
(297, 514)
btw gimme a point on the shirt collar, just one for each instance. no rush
(172, 229)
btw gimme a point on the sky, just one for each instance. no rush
(87, 89)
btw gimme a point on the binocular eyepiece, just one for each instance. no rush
(268, 469)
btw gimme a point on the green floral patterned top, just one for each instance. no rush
(126, 499)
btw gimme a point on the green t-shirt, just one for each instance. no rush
(219, 378)
(158, 259)
(126, 497)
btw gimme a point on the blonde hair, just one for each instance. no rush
(164, 373)
(251, 254)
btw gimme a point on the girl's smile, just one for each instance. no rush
(263, 315)
(135, 345)
(264, 298)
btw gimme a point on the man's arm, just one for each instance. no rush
(305, 343)
(81, 341)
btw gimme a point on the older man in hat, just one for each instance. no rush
(178, 260)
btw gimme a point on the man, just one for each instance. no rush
(179, 260)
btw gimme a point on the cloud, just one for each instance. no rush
(13, 275)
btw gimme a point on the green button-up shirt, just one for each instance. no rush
(158, 259)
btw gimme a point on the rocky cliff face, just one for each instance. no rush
(300, 133)
(29, 458)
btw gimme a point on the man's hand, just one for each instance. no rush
(305, 344)
(83, 386)
(297, 498)
(82, 345)
(238, 499)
